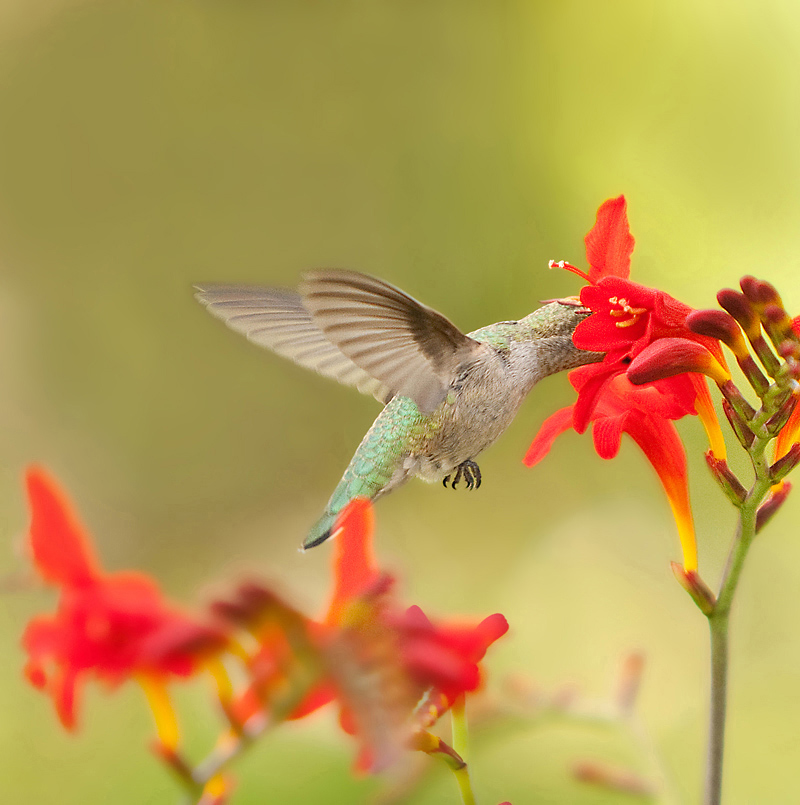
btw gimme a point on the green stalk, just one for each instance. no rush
(719, 620)
(458, 717)
(719, 692)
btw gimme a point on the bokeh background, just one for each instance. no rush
(452, 148)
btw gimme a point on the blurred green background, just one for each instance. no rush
(452, 148)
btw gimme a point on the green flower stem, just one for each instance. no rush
(465, 785)
(719, 619)
(719, 692)
(458, 718)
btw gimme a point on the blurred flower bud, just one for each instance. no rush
(612, 779)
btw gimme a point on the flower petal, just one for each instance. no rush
(659, 440)
(609, 244)
(607, 434)
(355, 567)
(551, 428)
(61, 548)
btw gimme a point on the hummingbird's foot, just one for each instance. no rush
(469, 471)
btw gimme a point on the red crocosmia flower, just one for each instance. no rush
(374, 657)
(645, 413)
(113, 626)
(395, 655)
(626, 317)
(446, 657)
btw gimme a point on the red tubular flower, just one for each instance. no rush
(626, 317)
(645, 414)
(376, 659)
(393, 655)
(113, 626)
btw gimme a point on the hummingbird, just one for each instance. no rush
(447, 395)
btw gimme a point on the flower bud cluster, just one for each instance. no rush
(765, 341)
(755, 326)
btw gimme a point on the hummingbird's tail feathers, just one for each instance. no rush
(376, 468)
(322, 530)
(276, 319)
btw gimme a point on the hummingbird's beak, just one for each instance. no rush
(570, 301)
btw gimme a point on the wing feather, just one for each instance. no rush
(415, 351)
(277, 319)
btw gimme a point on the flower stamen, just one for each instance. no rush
(624, 308)
(568, 267)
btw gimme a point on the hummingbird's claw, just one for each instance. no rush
(469, 471)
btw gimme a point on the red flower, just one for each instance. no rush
(645, 414)
(113, 626)
(394, 656)
(626, 317)
(377, 659)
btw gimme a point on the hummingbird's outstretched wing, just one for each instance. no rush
(413, 350)
(276, 319)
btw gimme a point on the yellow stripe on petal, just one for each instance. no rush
(708, 416)
(788, 434)
(163, 713)
(682, 513)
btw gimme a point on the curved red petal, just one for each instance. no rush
(61, 547)
(609, 244)
(590, 382)
(64, 691)
(489, 630)
(321, 694)
(551, 429)
(355, 569)
(43, 637)
(607, 434)
(658, 439)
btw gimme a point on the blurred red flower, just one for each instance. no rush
(113, 626)
(377, 659)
